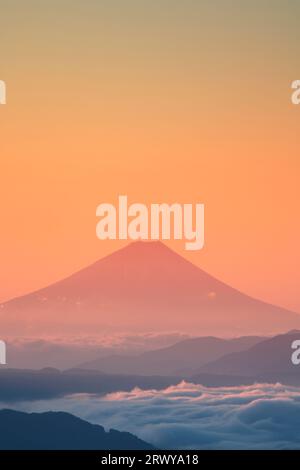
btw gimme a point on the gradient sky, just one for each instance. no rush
(165, 101)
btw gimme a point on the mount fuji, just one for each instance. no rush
(143, 287)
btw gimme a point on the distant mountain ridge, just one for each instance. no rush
(47, 383)
(60, 431)
(271, 357)
(182, 358)
(143, 287)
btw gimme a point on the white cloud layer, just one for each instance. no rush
(189, 416)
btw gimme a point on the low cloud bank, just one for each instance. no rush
(71, 351)
(189, 416)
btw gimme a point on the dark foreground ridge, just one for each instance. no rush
(60, 431)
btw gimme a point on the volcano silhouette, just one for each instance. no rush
(143, 287)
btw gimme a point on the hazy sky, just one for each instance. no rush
(165, 101)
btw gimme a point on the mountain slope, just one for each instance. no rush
(180, 359)
(271, 357)
(143, 287)
(53, 431)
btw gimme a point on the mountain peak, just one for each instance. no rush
(149, 247)
(143, 287)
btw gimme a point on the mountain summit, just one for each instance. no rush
(143, 287)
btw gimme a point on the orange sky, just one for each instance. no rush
(162, 104)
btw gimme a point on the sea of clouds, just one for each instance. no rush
(189, 416)
(71, 351)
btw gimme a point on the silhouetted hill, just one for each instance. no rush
(22, 384)
(53, 431)
(143, 287)
(182, 358)
(269, 358)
